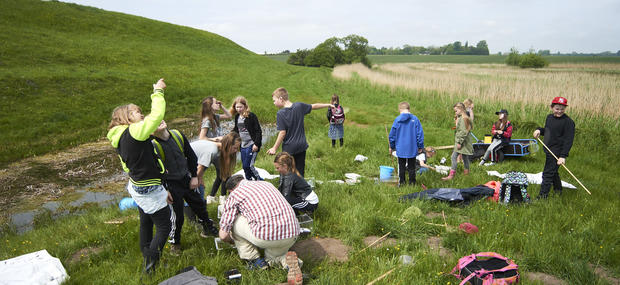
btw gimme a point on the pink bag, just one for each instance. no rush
(486, 268)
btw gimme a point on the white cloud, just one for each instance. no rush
(276, 25)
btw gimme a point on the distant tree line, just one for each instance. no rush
(455, 48)
(332, 52)
(605, 53)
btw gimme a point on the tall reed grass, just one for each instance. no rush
(592, 90)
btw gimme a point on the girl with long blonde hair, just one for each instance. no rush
(462, 140)
(248, 127)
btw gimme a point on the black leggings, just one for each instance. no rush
(341, 142)
(218, 183)
(163, 220)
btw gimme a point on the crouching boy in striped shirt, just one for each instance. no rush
(257, 216)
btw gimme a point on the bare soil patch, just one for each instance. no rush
(387, 241)
(83, 254)
(317, 249)
(544, 278)
(434, 243)
(603, 273)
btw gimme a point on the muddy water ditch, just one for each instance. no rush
(70, 181)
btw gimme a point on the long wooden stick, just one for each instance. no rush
(444, 219)
(381, 238)
(556, 158)
(387, 136)
(380, 277)
(444, 147)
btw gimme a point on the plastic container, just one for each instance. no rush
(305, 221)
(220, 210)
(220, 245)
(405, 259)
(488, 138)
(385, 172)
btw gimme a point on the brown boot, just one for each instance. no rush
(450, 176)
(466, 172)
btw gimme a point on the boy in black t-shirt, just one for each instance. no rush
(290, 125)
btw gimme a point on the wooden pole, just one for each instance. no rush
(556, 158)
(387, 136)
(381, 238)
(380, 277)
(444, 147)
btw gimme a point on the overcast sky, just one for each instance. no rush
(275, 25)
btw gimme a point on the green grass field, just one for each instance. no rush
(62, 83)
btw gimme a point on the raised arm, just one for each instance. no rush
(226, 114)
(141, 131)
(316, 106)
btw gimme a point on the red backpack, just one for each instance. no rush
(337, 115)
(486, 268)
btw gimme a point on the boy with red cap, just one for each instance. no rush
(559, 132)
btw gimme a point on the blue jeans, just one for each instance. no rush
(422, 170)
(248, 157)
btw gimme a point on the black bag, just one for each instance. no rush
(190, 276)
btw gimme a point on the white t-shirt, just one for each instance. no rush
(421, 157)
(206, 151)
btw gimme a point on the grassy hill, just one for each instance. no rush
(64, 67)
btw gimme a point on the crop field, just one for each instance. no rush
(500, 59)
(592, 88)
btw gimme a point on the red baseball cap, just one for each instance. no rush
(560, 100)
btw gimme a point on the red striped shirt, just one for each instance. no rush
(270, 216)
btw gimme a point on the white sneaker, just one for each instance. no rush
(222, 199)
(210, 199)
(481, 162)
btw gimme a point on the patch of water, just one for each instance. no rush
(51, 206)
(24, 221)
(103, 199)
